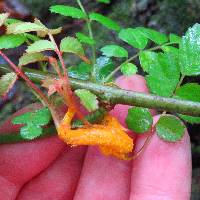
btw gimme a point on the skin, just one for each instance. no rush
(48, 169)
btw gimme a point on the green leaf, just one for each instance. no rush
(104, 1)
(24, 27)
(88, 99)
(31, 131)
(85, 39)
(31, 37)
(68, 11)
(169, 128)
(12, 21)
(7, 81)
(28, 58)
(3, 18)
(133, 37)
(81, 72)
(155, 36)
(114, 51)
(33, 120)
(173, 38)
(71, 45)
(139, 119)
(191, 92)
(105, 21)
(11, 41)
(164, 74)
(128, 69)
(147, 60)
(170, 49)
(103, 67)
(190, 52)
(40, 45)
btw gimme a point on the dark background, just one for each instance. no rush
(167, 16)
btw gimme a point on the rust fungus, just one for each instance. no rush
(110, 136)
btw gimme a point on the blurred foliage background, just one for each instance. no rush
(167, 16)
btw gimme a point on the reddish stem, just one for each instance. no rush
(20, 73)
(68, 93)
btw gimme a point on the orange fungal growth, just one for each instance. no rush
(110, 136)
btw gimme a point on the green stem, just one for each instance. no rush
(114, 95)
(129, 60)
(89, 26)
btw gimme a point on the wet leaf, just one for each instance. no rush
(190, 52)
(139, 119)
(191, 92)
(169, 128)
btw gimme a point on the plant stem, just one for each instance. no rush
(67, 91)
(21, 74)
(89, 26)
(119, 96)
(129, 60)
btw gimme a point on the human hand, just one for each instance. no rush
(47, 169)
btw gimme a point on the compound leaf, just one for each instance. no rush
(33, 121)
(139, 119)
(169, 128)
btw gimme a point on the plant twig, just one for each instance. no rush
(131, 59)
(21, 74)
(88, 22)
(119, 96)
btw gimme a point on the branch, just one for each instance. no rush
(114, 95)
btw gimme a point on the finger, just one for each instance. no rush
(105, 177)
(60, 179)
(134, 83)
(162, 171)
(21, 162)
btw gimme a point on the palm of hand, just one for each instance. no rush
(47, 169)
